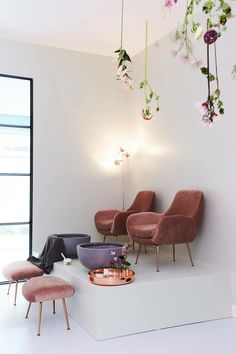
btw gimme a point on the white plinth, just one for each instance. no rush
(179, 294)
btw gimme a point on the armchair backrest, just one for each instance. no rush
(188, 203)
(144, 201)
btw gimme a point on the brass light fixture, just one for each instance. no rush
(120, 161)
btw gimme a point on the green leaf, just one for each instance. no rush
(211, 77)
(221, 111)
(223, 19)
(126, 56)
(208, 6)
(141, 84)
(204, 70)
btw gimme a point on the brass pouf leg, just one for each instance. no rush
(53, 306)
(65, 313)
(9, 287)
(40, 317)
(16, 292)
(28, 310)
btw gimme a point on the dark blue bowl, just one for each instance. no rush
(71, 241)
(99, 254)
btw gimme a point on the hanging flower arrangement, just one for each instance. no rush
(123, 59)
(217, 12)
(170, 3)
(149, 94)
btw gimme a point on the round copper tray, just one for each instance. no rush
(112, 277)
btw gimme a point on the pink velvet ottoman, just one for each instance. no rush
(20, 270)
(47, 288)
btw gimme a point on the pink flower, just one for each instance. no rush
(185, 58)
(123, 251)
(174, 53)
(147, 114)
(170, 3)
(202, 107)
(197, 64)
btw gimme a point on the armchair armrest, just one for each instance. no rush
(143, 218)
(105, 214)
(175, 229)
(119, 222)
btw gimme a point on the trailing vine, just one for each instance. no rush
(148, 91)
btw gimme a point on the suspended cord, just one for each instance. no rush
(122, 23)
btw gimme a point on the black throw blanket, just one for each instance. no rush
(51, 253)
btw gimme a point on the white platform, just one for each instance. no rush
(179, 294)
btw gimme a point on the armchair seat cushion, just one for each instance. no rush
(104, 224)
(143, 231)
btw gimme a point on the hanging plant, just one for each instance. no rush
(123, 59)
(234, 72)
(149, 94)
(218, 12)
(170, 3)
(183, 37)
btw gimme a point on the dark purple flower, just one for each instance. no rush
(210, 36)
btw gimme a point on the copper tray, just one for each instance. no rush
(112, 277)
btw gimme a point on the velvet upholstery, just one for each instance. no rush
(179, 224)
(113, 221)
(21, 270)
(46, 288)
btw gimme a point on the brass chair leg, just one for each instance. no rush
(145, 249)
(157, 257)
(173, 252)
(104, 238)
(39, 317)
(53, 306)
(16, 292)
(139, 247)
(133, 245)
(65, 313)
(9, 287)
(28, 310)
(190, 255)
(115, 238)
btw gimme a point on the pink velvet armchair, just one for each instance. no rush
(112, 222)
(179, 224)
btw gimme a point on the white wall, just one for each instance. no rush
(177, 152)
(79, 115)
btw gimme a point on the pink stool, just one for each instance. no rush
(47, 288)
(20, 270)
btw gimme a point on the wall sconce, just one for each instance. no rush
(120, 161)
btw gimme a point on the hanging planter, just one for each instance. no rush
(123, 59)
(149, 94)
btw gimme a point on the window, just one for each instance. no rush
(16, 168)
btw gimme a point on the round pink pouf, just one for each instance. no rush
(47, 288)
(20, 270)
